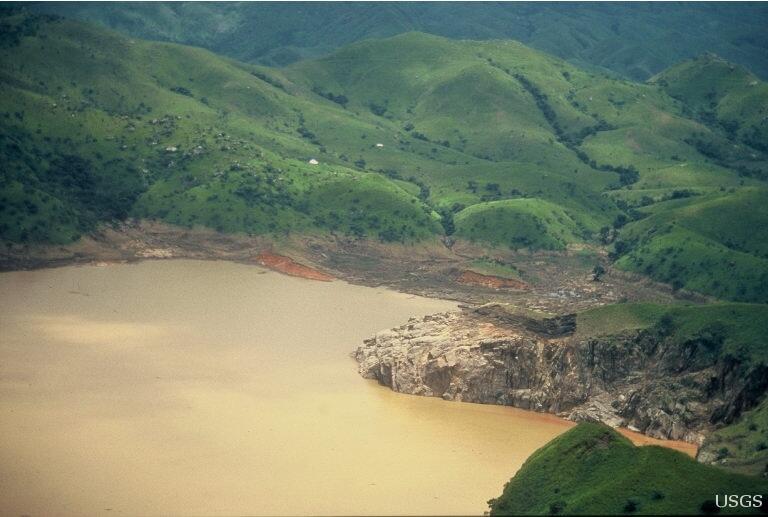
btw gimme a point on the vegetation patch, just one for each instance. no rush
(593, 470)
(518, 223)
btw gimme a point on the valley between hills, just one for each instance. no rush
(606, 237)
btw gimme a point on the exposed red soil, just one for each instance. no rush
(494, 282)
(289, 266)
(640, 439)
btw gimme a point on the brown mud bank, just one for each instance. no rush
(554, 281)
(288, 266)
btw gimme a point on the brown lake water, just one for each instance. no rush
(192, 387)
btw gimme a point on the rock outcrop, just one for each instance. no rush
(533, 321)
(636, 379)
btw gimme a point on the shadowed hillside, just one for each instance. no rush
(636, 40)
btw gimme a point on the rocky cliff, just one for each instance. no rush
(642, 379)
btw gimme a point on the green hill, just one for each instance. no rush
(593, 470)
(743, 446)
(720, 92)
(415, 136)
(518, 223)
(547, 122)
(700, 238)
(97, 126)
(714, 244)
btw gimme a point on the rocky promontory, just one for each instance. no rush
(495, 354)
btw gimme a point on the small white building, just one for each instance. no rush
(313, 162)
(379, 145)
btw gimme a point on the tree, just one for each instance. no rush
(597, 272)
(605, 235)
(446, 219)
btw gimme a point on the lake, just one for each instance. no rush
(195, 387)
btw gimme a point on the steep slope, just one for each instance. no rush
(672, 372)
(592, 470)
(636, 40)
(741, 447)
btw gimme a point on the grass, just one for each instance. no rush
(731, 95)
(713, 244)
(617, 318)
(593, 470)
(170, 132)
(489, 266)
(513, 147)
(518, 223)
(741, 327)
(742, 446)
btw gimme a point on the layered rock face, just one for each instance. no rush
(636, 379)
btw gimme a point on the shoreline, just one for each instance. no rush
(429, 270)
(550, 281)
(637, 438)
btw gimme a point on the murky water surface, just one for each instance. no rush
(185, 387)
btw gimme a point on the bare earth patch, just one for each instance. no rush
(288, 266)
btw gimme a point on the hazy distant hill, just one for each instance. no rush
(633, 39)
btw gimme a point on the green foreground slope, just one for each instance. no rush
(742, 446)
(593, 470)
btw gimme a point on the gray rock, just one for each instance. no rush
(634, 379)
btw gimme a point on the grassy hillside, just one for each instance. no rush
(700, 236)
(743, 446)
(636, 40)
(719, 92)
(593, 470)
(715, 244)
(415, 136)
(518, 223)
(97, 126)
(741, 328)
(551, 131)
